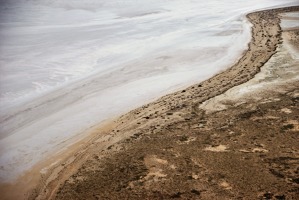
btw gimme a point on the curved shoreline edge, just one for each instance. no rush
(158, 115)
(266, 35)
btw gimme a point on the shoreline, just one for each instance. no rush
(149, 118)
(51, 122)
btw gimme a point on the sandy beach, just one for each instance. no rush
(233, 136)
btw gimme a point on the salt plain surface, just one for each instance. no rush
(291, 20)
(68, 65)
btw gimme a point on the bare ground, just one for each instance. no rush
(250, 151)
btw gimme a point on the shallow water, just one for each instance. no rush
(66, 65)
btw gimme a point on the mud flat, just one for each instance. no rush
(232, 136)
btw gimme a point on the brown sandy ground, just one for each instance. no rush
(250, 151)
(173, 148)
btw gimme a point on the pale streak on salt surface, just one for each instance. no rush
(68, 65)
(291, 22)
